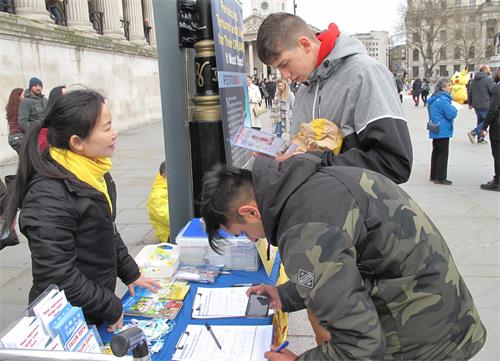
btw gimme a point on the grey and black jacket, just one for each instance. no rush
(358, 94)
(31, 110)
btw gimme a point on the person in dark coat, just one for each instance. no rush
(68, 208)
(443, 113)
(493, 122)
(32, 108)
(416, 90)
(479, 97)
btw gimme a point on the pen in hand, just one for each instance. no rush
(213, 335)
(281, 347)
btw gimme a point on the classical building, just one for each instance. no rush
(398, 60)
(467, 38)
(107, 45)
(377, 44)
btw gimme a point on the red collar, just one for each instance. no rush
(328, 39)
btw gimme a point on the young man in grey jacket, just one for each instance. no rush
(341, 83)
(32, 108)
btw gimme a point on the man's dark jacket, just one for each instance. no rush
(480, 89)
(75, 245)
(31, 110)
(363, 257)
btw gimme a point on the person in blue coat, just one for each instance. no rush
(442, 112)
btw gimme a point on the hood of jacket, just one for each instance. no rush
(28, 94)
(479, 76)
(274, 182)
(438, 95)
(344, 46)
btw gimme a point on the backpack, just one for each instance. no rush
(426, 87)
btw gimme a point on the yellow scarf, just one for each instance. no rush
(85, 169)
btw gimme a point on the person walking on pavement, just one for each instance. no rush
(369, 265)
(443, 113)
(341, 83)
(282, 109)
(479, 96)
(32, 108)
(416, 90)
(271, 90)
(425, 91)
(16, 134)
(254, 99)
(493, 122)
(399, 87)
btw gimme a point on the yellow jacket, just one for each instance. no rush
(158, 208)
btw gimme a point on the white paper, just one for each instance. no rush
(239, 343)
(262, 142)
(220, 302)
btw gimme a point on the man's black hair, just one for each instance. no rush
(163, 167)
(224, 189)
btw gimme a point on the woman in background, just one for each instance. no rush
(254, 99)
(443, 113)
(16, 134)
(68, 209)
(282, 110)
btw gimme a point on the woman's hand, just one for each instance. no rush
(117, 325)
(145, 282)
(268, 290)
(283, 355)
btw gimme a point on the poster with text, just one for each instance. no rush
(227, 20)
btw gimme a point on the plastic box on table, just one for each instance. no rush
(239, 253)
(158, 264)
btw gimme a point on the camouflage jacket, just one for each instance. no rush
(368, 263)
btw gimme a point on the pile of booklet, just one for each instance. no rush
(52, 324)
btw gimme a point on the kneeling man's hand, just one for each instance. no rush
(270, 291)
(283, 355)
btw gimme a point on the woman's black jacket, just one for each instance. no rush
(74, 244)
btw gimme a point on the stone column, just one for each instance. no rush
(78, 15)
(250, 58)
(132, 11)
(147, 10)
(32, 9)
(113, 11)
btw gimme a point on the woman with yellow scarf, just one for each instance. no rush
(67, 200)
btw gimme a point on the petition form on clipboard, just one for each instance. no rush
(220, 302)
(238, 343)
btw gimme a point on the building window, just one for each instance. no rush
(442, 70)
(457, 53)
(490, 51)
(442, 54)
(415, 55)
(415, 71)
(472, 52)
(456, 68)
(458, 2)
(471, 67)
(458, 34)
(442, 35)
(416, 37)
(472, 2)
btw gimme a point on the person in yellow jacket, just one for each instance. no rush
(158, 206)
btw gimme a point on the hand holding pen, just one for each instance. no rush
(280, 353)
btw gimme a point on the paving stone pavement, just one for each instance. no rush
(468, 217)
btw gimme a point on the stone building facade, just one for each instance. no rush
(100, 44)
(377, 44)
(478, 25)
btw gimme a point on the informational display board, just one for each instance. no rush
(227, 20)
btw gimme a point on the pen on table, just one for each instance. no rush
(281, 347)
(213, 335)
(245, 284)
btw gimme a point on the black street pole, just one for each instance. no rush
(294, 8)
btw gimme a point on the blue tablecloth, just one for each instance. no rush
(184, 316)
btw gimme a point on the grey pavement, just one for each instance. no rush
(468, 217)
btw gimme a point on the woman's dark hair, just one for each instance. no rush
(12, 106)
(54, 94)
(223, 188)
(75, 113)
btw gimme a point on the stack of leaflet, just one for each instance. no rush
(52, 324)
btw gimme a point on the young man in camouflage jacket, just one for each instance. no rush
(360, 255)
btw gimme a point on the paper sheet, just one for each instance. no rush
(220, 302)
(239, 343)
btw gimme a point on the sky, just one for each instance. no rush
(351, 16)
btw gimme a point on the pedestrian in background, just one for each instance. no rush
(441, 112)
(479, 97)
(157, 205)
(425, 91)
(416, 89)
(68, 209)
(264, 93)
(282, 110)
(54, 94)
(16, 134)
(254, 99)
(399, 87)
(493, 122)
(32, 108)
